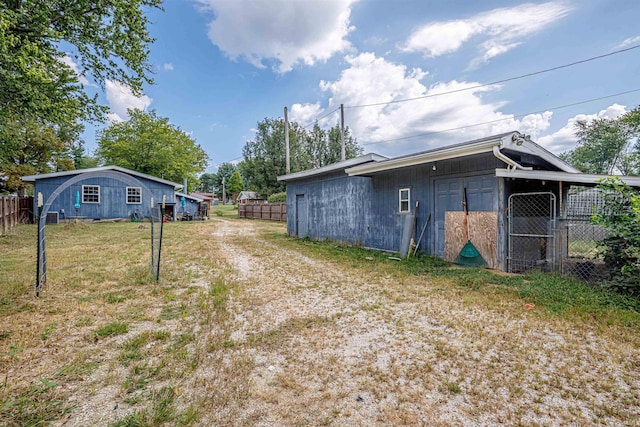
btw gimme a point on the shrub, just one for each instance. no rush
(621, 250)
(278, 198)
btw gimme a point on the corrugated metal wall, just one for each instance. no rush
(364, 210)
(112, 197)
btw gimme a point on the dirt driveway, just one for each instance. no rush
(252, 328)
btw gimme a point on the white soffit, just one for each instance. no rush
(580, 178)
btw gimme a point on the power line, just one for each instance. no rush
(501, 120)
(319, 118)
(497, 81)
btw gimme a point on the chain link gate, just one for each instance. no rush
(532, 218)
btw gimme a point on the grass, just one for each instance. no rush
(261, 328)
(225, 210)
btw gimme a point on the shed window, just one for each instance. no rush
(90, 194)
(134, 195)
(404, 199)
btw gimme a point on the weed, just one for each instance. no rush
(47, 332)
(112, 329)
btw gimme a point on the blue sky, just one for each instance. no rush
(222, 66)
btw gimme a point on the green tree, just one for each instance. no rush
(235, 185)
(605, 145)
(28, 147)
(108, 38)
(225, 171)
(264, 156)
(621, 250)
(150, 144)
(207, 182)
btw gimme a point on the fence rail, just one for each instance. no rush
(270, 211)
(9, 212)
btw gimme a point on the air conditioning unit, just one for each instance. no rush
(52, 218)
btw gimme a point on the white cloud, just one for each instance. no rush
(564, 139)
(370, 80)
(303, 114)
(630, 41)
(167, 66)
(286, 32)
(502, 28)
(120, 98)
(67, 60)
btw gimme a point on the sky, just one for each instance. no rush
(222, 66)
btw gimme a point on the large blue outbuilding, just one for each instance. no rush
(372, 201)
(103, 193)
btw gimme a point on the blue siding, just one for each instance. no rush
(112, 197)
(190, 206)
(364, 210)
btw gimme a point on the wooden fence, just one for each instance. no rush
(9, 212)
(270, 211)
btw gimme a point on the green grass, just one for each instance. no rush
(225, 210)
(112, 329)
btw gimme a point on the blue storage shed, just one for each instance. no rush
(106, 192)
(188, 205)
(371, 200)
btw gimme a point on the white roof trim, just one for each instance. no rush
(581, 178)
(33, 178)
(512, 141)
(371, 157)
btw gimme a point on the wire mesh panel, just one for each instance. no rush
(582, 259)
(157, 221)
(531, 231)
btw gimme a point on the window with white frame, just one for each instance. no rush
(90, 194)
(134, 195)
(404, 199)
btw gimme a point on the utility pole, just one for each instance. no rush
(343, 154)
(223, 191)
(286, 141)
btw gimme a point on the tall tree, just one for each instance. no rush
(264, 156)
(207, 182)
(29, 147)
(235, 185)
(109, 40)
(150, 144)
(41, 42)
(225, 171)
(605, 146)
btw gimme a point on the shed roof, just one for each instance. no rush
(248, 195)
(509, 141)
(34, 178)
(187, 196)
(360, 160)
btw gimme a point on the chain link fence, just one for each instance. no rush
(580, 254)
(532, 242)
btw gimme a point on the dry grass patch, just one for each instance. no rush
(250, 327)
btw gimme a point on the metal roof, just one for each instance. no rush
(514, 141)
(187, 196)
(367, 158)
(33, 178)
(578, 178)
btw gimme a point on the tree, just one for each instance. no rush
(28, 147)
(621, 249)
(605, 145)
(109, 40)
(225, 171)
(264, 156)
(207, 182)
(235, 185)
(150, 144)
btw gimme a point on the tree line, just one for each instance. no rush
(264, 156)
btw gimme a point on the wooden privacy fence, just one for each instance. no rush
(9, 212)
(270, 211)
